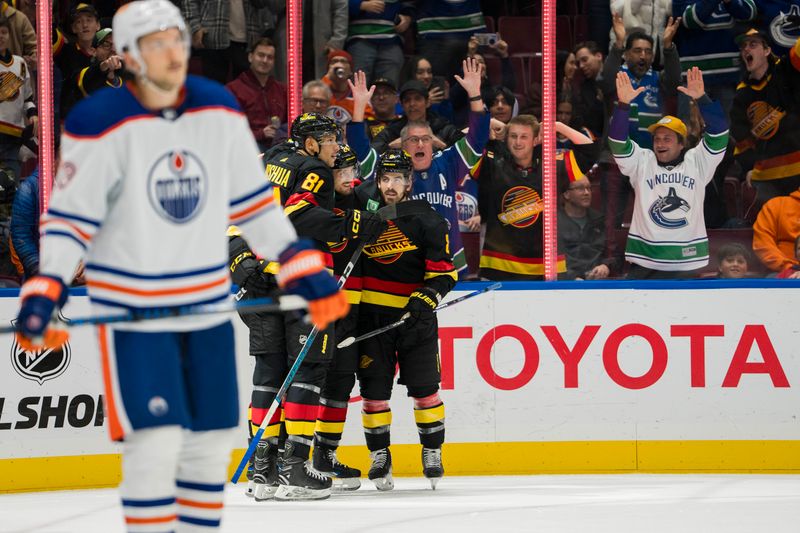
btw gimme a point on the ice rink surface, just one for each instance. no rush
(542, 504)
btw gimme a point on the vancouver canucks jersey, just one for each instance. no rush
(668, 231)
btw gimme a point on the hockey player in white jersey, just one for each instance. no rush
(150, 177)
(667, 237)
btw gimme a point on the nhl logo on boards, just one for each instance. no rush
(177, 186)
(40, 365)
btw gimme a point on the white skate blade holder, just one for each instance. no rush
(293, 493)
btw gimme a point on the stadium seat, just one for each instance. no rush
(494, 69)
(533, 68)
(750, 206)
(523, 34)
(563, 32)
(580, 25)
(520, 67)
(731, 192)
(489, 21)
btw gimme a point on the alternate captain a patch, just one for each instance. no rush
(177, 186)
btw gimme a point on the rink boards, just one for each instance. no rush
(536, 378)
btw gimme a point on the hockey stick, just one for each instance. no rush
(258, 305)
(388, 212)
(352, 340)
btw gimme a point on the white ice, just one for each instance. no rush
(542, 504)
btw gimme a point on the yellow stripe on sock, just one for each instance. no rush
(374, 420)
(429, 415)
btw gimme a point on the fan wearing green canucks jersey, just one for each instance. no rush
(668, 238)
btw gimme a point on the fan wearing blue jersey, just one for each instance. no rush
(436, 176)
(142, 196)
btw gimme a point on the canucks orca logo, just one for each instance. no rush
(784, 28)
(662, 211)
(177, 186)
(42, 364)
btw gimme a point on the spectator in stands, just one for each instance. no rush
(25, 226)
(637, 51)
(105, 67)
(340, 70)
(223, 31)
(588, 105)
(732, 260)
(566, 66)
(419, 68)
(384, 106)
(9, 264)
(638, 55)
(18, 113)
(324, 29)
(707, 38)
(414, 99)
(374, 37)
(501, 102)
(775, 231)
(667, 237)
(22, 37)
(510, 199)
(765, 117)
(793, 271)
(459, 98)
(72, 58)
(316, 97)
(443, 28)
(260, 95)
(581, 233)
(646, 17)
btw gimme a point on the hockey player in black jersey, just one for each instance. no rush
(341, 374)
(407, 272)
(301, 170)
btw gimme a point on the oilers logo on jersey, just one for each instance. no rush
(177, 186)
(663, 210)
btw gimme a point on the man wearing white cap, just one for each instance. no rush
(667, 237)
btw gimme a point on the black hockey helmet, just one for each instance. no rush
(345, 158)
(395, 161)
(313, 125)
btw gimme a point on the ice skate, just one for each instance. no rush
(297, 480)
(265, 472)
(345, 478)
(381, 470)
(432, 465)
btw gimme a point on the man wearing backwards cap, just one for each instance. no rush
(765, 116)
(667, 238)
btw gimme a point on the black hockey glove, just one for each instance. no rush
(420, 307)
(364, 225)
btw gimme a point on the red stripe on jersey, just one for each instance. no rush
(438, 266)
(296, 198)
(391, 287)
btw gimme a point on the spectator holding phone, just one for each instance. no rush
(495, 45)
(443, 26)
